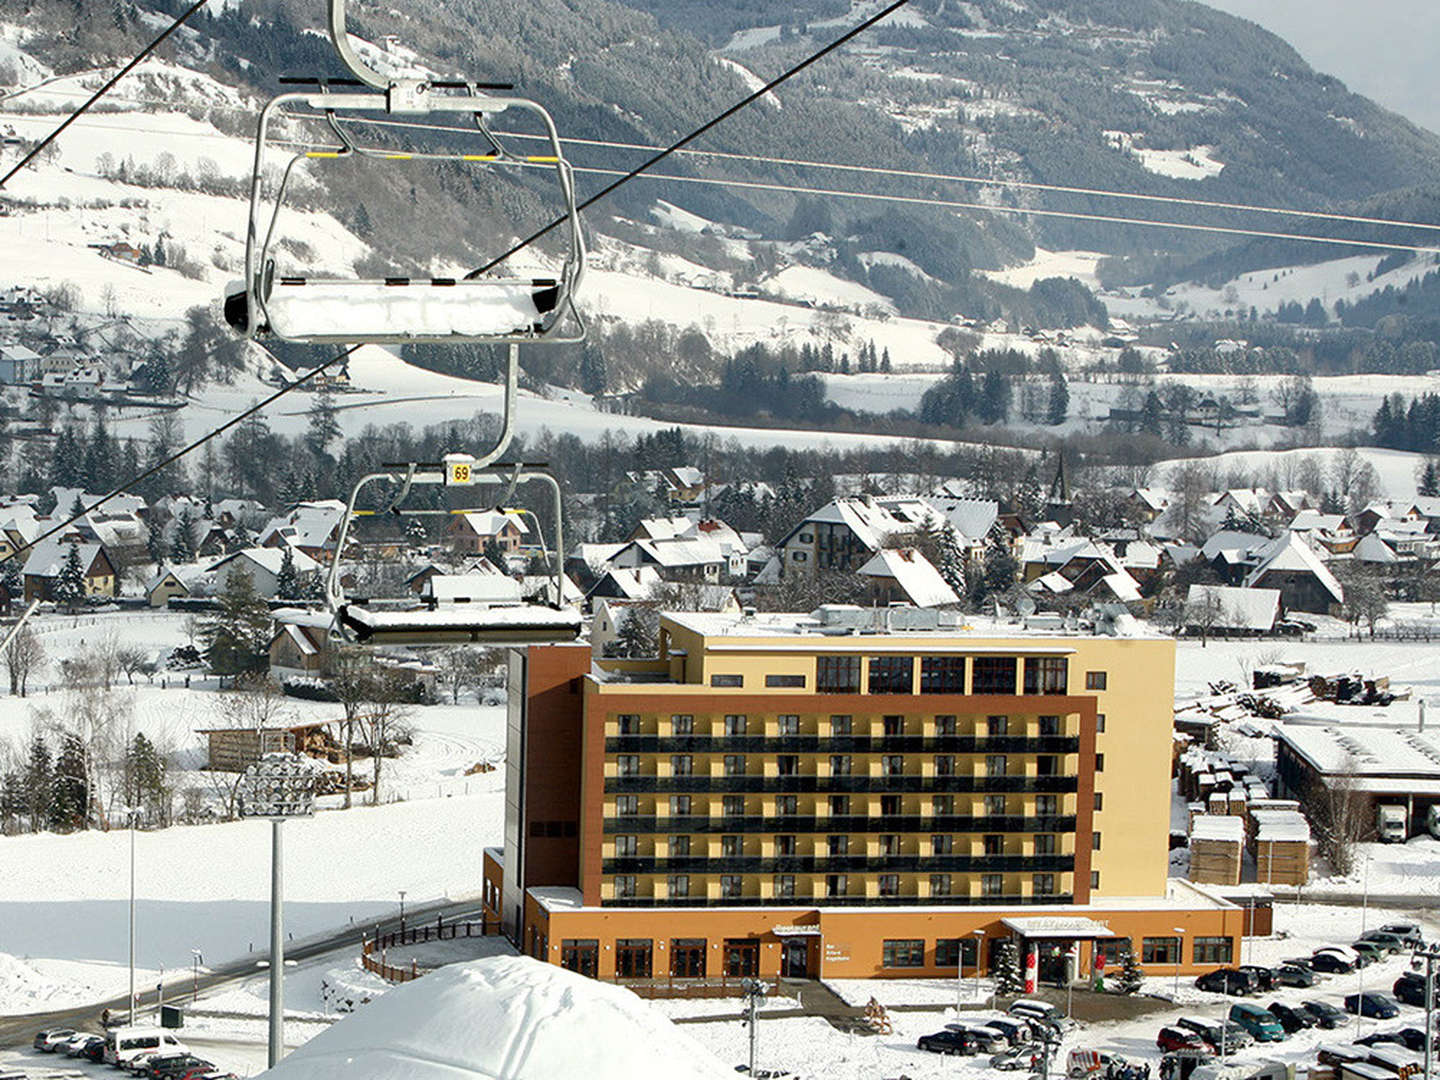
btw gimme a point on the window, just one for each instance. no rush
(732, 886)
(627, 805)
(840, 764)
(996, 764)
(799, 556)
(1094, 879)
(624, 886)
(942, 844)
(731, 681)
(997, 725)
(839, 805)
(632, 958)
(944, 764)
(1046, 844)
(1047, 765)
(785, 886)
(787, 765)
(785, 845)
(807, 538)
(1160, 950)
(940, 885)
(1049, 726)
(1042, 884)
(1095, 842)
(992, 884)
(1100, 722)
(942, 675)
(1113, 950)
(1094, 680)
(627, 764)
(993, 844)
(892, 765)
(734, 764)
(904, 953)
(735, 725)
(786, 805)
(838, 845)
(730, 846)
(952, 952)
(892, 726)
(1047, 805)
(732, 805)
(679, 847)
(892, 674)
(1213, 950)
(889, 805)
(841, 725)
(580, 955)
(682, 765)
(837, 884)
(687, 957)
(1099, 762)
(625, 846)
(993, 675)
(837, 674)
(678, 885)
(945, 727)
(1047, 675)
(889, 844)
(788, 725)
(679, 805)
(941, 805)
(995, 804)
(1099, 800)
(682, 725)
(629, 725)
(889, 885)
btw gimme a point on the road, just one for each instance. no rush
(18, 1031)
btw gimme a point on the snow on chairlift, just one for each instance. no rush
(396, 310)
(497, 623)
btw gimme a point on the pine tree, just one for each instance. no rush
(287, 581)
(415, 534)
(1009, 979)
(70, 583)
(1131, 977)
(496, 555)
(237, 637)
(38, 783)
(1429, 482)
(952, 560)
(182, 542)
(636, 633)
(145, 779)
(1059, 399)
(324, 427)
(70, 786)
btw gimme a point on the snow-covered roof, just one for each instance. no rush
(633, 582)
(1238, 545)
(1054, 582)
(503, 1018)
(47, 557)
(165, 572)
(1281, 826)
(471, 588)
(1380, 759)
(1372, 549)
(867, 519)
(1291, 553)
(596, 555)
(1155, 498)
(1238, 609)
(308, 524)
(688, 475)
(665, 527)
(913, 574)
(1226, 827)
(972, 519)
(1140, 555)
(492, 522)
(1124, 587)
(271, 559)
(679, 551)
(1314, 520)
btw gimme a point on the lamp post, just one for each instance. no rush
(1359, 967)
(278, 786)
(131, 812)
(754, 996)
(402, 912)
(979, 936)
(195, 963)
(1430, 953)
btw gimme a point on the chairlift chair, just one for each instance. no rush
(397, 310)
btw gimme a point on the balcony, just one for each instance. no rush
(846, 823)
(800, 783)
(840, 864)
(838, 901)
(842, 744)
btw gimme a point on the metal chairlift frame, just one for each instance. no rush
(407, 96)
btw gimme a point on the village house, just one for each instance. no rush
(311, 527)
(263, 565)
(470, 532)
(905, 576)
(164, 587)
(47, 558)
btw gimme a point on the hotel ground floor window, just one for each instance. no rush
(687, 958)
(904, 953)
(581, 955)
(1213, 950)
(1160, 950)
(633, 958)
(956, 952)
(742, 957)
(1113, 950)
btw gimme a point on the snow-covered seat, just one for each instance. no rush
(508, 624)
(325, 310)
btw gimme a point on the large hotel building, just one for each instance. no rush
(849, 793)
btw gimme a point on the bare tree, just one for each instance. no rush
(1364, 598)
(1205, 611)
(23, 656)
(351, 679)
(1337, 809)
(382, 720)
(132, 660)
(462, 668)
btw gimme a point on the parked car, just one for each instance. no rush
(1263, 977)
(1030, 1009)
(1414, 1038)
(1371, 951)
(1173, 1038)
(1234, 1035)
(49, 1040)
(1291, 1019)
(1336, 1056)
(95, 1051)
(1306, 962)
(1258, 1024)
(1377, 1038)
(1331, 963)
(947, 1041)
(1015, 1031)
(1024, 1056)
(1406, 932)
(1391, 943)
(987, 1040)
(171, 1066)
(1293, 975)
(82, 1045)
(1326, 1016)
(1410, 988)
(1375, 1005)
(1226, 981)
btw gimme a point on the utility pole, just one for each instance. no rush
(132, 917)
(754, 996)
(1430, 955)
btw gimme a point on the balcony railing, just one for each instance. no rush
(840, 864)
(837, 901)
(841, 823)
(801, 783)
(842, 744)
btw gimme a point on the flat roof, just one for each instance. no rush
(1051, 926)
(1371, 754)
(846, 622)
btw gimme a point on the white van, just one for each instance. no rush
(124, 1043)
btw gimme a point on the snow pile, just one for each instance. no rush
(23, 989)
(508, 1018)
